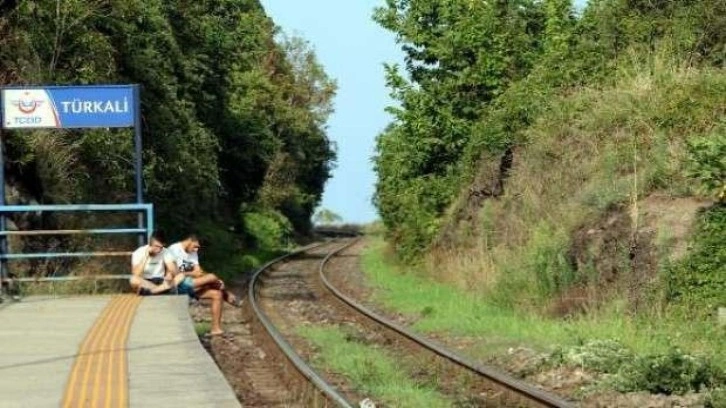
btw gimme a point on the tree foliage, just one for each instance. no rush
(476, 74)
(325, 216)
(233, 112)
(459, 57)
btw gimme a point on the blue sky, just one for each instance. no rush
(352, 48)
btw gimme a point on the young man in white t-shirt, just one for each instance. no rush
(153, 270)
(198, 283)
(186, 255)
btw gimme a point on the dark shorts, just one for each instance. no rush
(155, 281)
(186, 287)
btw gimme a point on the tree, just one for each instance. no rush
(459, 57)
(325, 216)
(231, 113)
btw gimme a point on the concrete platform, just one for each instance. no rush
(40, 339)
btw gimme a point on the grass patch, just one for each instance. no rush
(442, 308)
(202, 328)
(377, 374)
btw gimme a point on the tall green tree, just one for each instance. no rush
(229, 106)
(459, 57)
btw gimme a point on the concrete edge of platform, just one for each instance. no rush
(213, 373)
(196, 378)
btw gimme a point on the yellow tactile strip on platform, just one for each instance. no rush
(99, 375)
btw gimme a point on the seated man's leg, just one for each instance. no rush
(208, 279)
(143, 286)
(138, 283)
(211, 281)
(216, 297)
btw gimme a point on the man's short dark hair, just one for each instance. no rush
(192, 237)
(158, 236)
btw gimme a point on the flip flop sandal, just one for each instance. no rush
(223, 335)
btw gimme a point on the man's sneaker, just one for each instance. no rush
(144, 292)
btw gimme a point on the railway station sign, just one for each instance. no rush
(94, 106)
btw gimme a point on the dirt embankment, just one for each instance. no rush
(620, 252)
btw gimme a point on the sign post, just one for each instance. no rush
(3, 239)
(66, 107)
(137, 157)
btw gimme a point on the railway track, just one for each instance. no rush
(295, 290)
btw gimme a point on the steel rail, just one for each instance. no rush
(308, 372)
(501, 378)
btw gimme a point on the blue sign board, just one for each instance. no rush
(68, 107)
(92, 106)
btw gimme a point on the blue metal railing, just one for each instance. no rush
(144, 231)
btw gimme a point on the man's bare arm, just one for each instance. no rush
(137, 269)
(170, 269)
(195, 272)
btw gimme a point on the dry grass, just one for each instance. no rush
(471, 268)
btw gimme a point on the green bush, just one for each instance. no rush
(671, 373)
(219, 249)
(700, 279)
(269, 229)
(546, 251)
(674, 372)
(412, 206)
(716, 398)
(603, 356)
(707, 163)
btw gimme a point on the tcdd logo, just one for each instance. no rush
(27, 105)
(33, 120)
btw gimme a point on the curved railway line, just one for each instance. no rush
(294, 290)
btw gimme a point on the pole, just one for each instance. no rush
(138, 168)
(4, 238)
